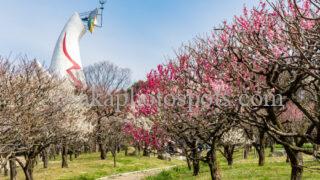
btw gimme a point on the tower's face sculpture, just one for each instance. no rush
(66, 60)
(92, 20)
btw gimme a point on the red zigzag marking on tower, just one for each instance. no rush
(74, 66)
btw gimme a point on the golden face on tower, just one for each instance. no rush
(92, 20)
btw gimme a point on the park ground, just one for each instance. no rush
(275, 168)
(90, 167)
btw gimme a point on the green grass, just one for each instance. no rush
(90, 167)
(275, 168)
(306, 145)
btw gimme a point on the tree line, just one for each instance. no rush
(262, 70)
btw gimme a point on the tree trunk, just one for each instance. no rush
(188, 162)
(196, 167)
(261, 147)
(114, 159)
(139, 149)
(245, 152)
(52, 153)
(6, 170)
(45, 158)
(86, 148)
(296, 173)
(261, 155)
(103, 151)
(28, 174)
(228, 152)
(64, 155)
(135, 152)
(272, 148)
(146, 152)
(28, 169)
(57, 150)
(95, 147)
(126, 150)
(315, 149)
(213, 163)
(195, 158)
(13, 168)
(185, 152)
(100, 140)
(296, 160)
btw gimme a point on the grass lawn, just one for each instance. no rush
(89, 167)
(275, 168)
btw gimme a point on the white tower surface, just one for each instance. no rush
(66, 59)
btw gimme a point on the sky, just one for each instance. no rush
(137, 34)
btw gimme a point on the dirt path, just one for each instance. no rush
(136, 175)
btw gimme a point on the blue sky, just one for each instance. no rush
(137, 34)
